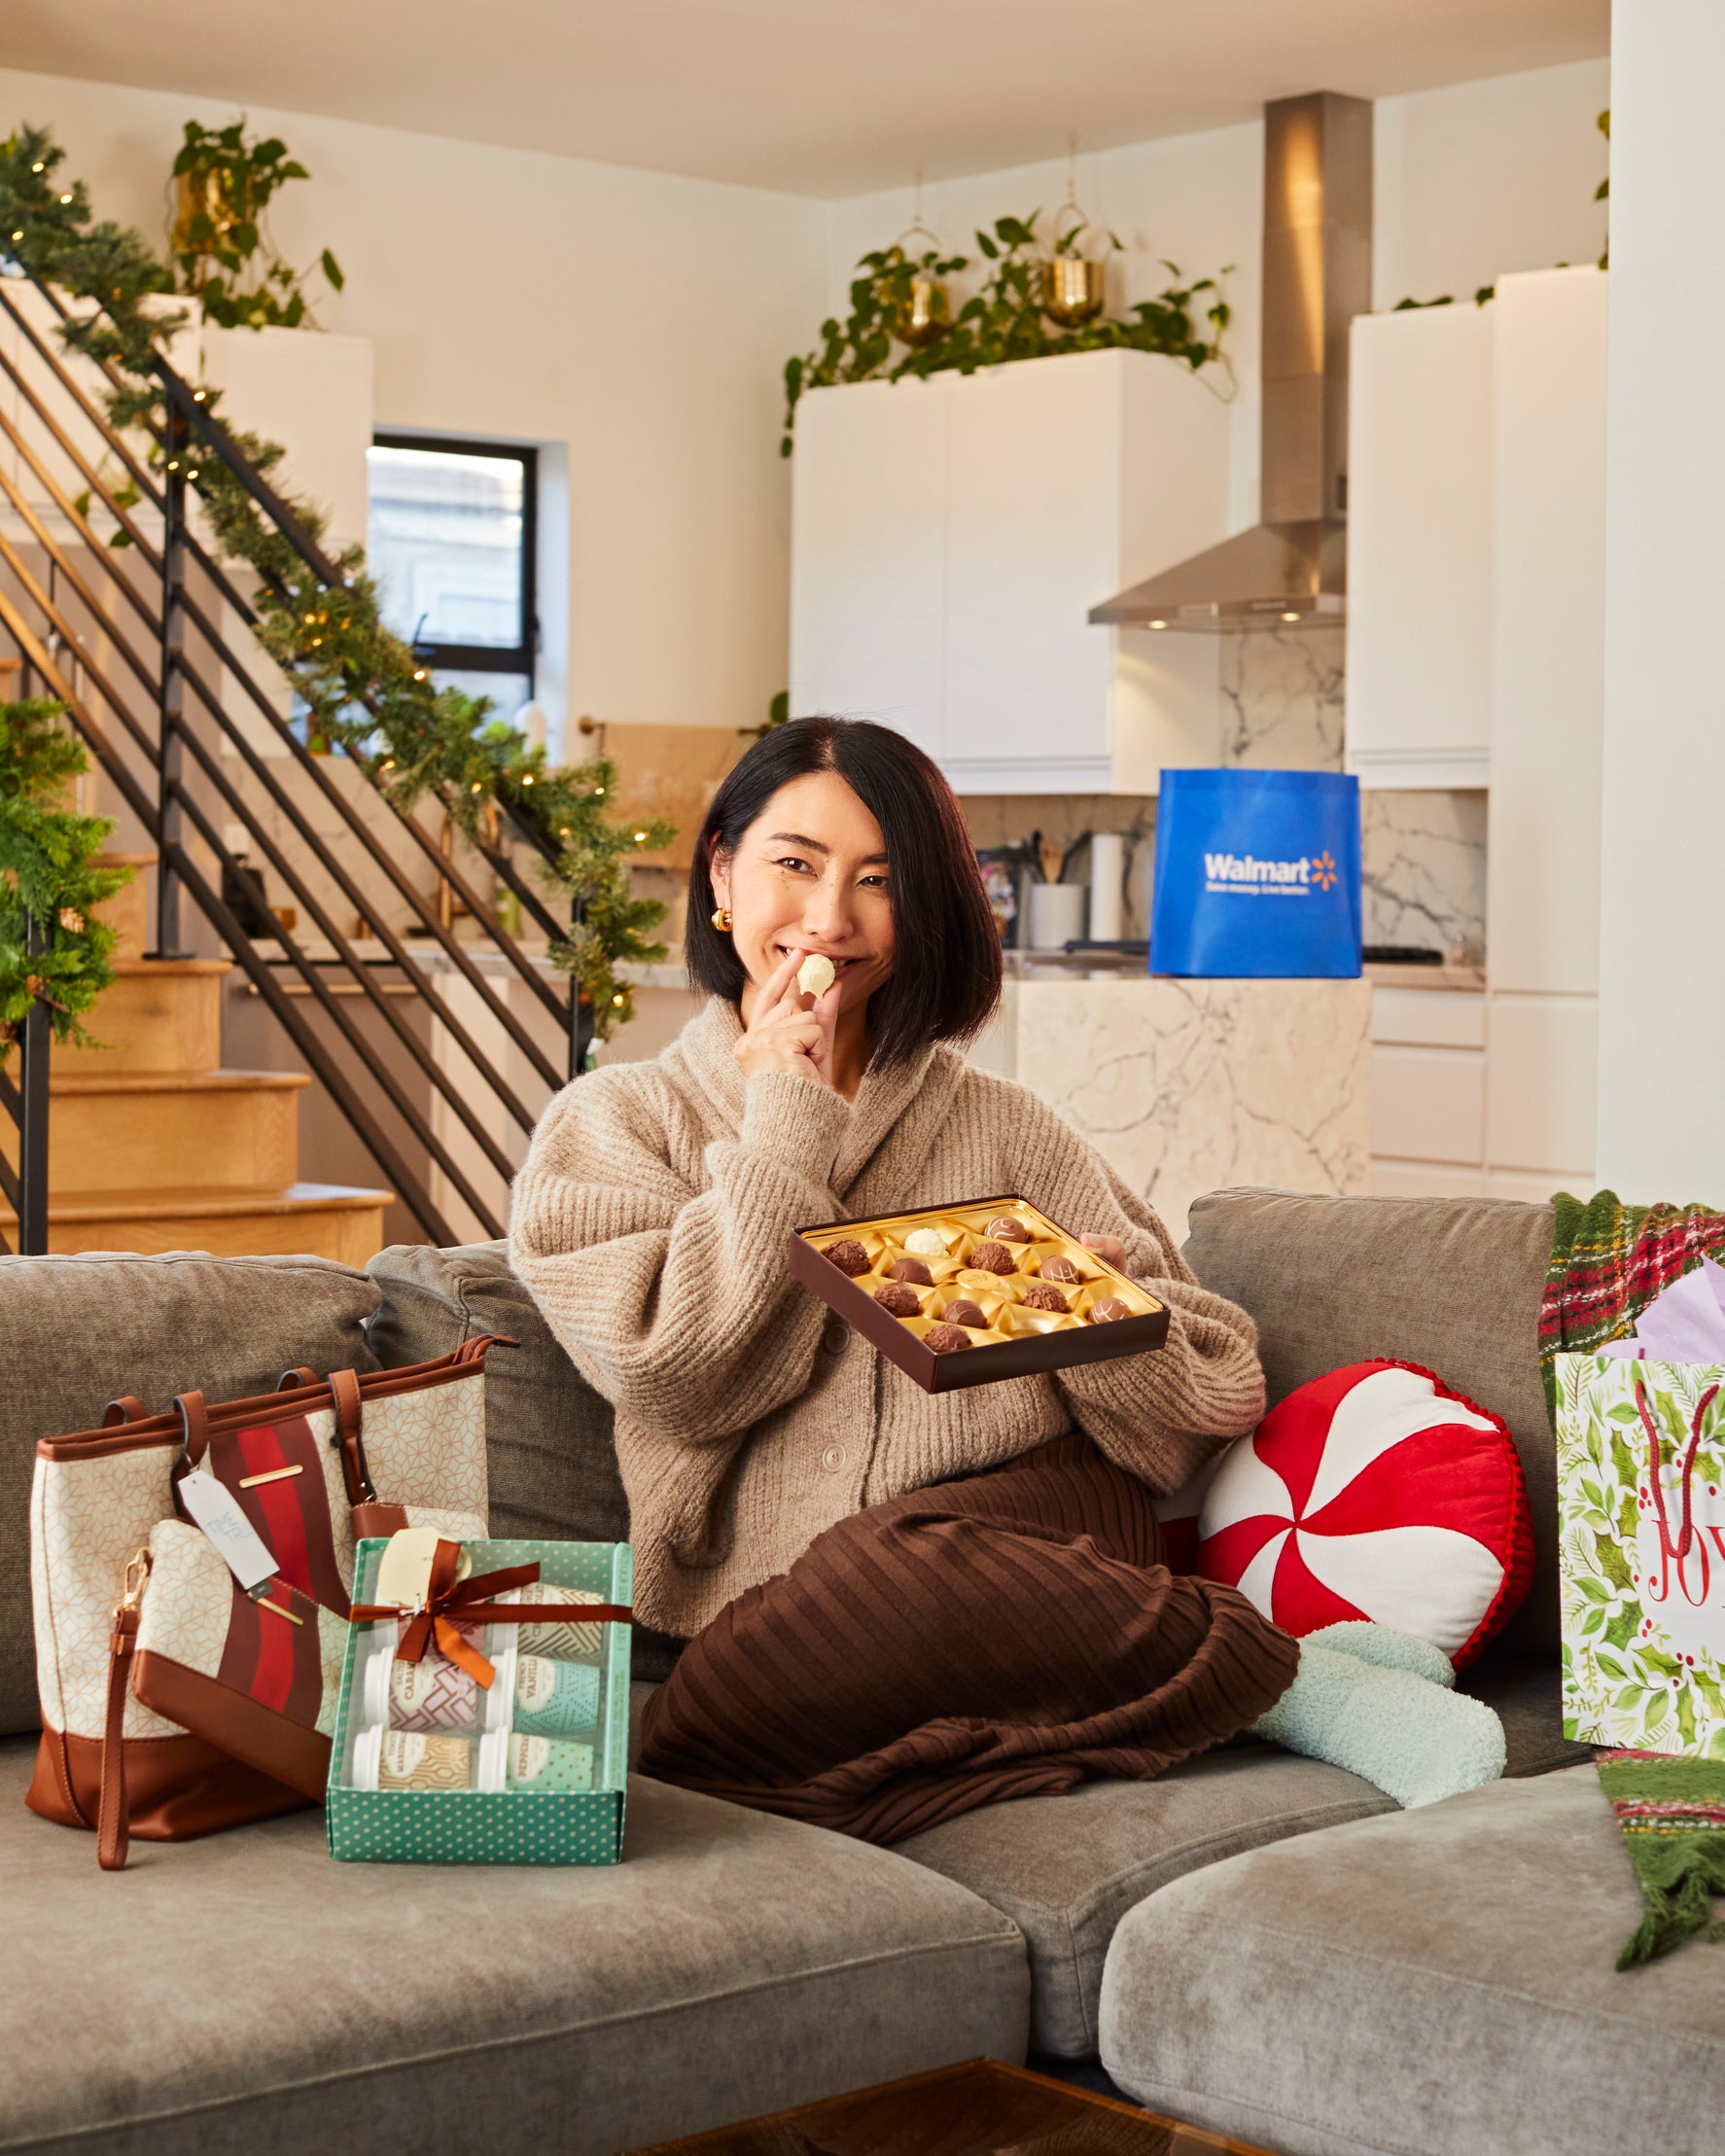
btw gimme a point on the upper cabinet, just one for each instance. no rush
(1476, 534)
(1420, 548)
(950, 537)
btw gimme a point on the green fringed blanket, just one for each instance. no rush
(1608, 1261)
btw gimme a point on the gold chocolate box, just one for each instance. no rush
(983, 1288)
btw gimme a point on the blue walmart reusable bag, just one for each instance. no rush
(1257, 874)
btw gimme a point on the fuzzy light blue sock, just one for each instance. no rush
(1416, 1740)
(1388, 1648)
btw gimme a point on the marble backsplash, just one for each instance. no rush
(1280, 699)
(1281, 706)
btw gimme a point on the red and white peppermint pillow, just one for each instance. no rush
(1375, 1492)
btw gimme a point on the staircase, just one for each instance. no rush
(405, 978)
(153, 1147)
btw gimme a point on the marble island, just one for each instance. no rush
(1190, 1086)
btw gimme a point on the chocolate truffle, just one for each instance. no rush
(962, 1313)
(993, 1257)
(913, 1269)
(945, 1339)
(815, 975)
(1107, 1309)
(901, 1301)
(1039, 1297)
(927, 1242)
(1057, 1268)
(1007, 1231)
(849, 1257)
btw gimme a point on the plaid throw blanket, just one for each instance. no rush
(1608, 1261)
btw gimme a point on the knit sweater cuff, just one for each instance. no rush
(799, 1123)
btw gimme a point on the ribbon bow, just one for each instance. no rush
(450, 1603)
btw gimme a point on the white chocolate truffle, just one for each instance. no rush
(925, 1242)
(815, 975)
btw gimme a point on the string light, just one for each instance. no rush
(640, 839)
(617, 1000)
(527, 778)
(66, 197)
(420, 675)
(39, 167)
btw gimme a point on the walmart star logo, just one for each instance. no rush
(1323, 872)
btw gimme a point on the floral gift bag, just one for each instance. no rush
(1642, 1493)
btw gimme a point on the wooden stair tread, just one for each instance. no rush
(210, 1204)
(179, 968)
(177, 1081)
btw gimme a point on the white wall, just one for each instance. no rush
(641, 319)
(1662, 993)
(1471, 181)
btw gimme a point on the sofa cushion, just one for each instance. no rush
(553, 1465)
(78, 1331)
(1067, 1869)
(251, 1995)
(548, 1434)
(1452, 1284)
(1434, 1983)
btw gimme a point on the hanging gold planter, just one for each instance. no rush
(206, 193)
(926, 316)
(1073, 290)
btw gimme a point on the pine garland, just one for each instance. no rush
(48, 876)
(361, 684)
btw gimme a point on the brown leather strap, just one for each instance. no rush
(344, 1392)
(195, 1426)
(127, 1409)
(290, 1380)
(374, 1518)
(113, 1817)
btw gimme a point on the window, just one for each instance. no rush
(451, 546)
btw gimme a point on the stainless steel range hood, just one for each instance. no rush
(1292, 568)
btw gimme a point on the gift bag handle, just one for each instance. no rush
(291, 1381)
(127, 1409)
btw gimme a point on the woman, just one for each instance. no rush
(649, 1223)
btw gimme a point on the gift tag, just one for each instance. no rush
(404, 1570)
(213, 1506)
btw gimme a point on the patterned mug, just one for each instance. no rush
(555, 1699)
(549, 1763)
(411, 1761)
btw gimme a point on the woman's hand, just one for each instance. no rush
(1108, 1248)
(786, 1036)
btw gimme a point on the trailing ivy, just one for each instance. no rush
(49, 876)
(361, 685)
(1003, 322)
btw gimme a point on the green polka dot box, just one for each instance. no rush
(469, 1805)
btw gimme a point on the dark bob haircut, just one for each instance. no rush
(946, 966)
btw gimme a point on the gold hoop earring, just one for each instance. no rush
(722, 919)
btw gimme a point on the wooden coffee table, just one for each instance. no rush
(981, 2108)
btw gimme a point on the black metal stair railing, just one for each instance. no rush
(24, 1098)
(146, 640)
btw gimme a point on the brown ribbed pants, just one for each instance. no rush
(1007, 1636)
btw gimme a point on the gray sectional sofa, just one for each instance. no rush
(1256, 1943)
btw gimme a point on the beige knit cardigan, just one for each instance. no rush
(649, 1223)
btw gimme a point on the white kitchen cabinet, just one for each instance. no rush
(1420, 561)
(950, 537)
(868, 568)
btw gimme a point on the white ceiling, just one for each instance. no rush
(826, 97)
